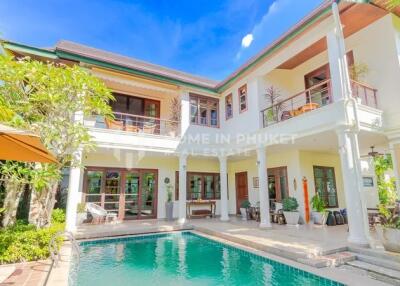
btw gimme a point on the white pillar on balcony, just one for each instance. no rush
(75, 184)
(263, 188)
(340, 80)
(396, 170)
(352, 181)
(185, 112)
(182, 188)
(224, 188)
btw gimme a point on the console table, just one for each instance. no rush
(200, 212)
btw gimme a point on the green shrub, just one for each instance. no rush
(58, 216)
(289, 204)
(245, 204)
(23, 242)
(318, 203)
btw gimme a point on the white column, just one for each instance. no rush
(185, 112)
(75, 175)
(340, 80)
(352, 181)
(182, 188)
(396, 170)
(224, 188)
(263, 188)
(74, 185)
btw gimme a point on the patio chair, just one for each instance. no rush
(99, 214)
(277, 216)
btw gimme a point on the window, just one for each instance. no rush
(228, 106)
(325, 185)
(204, 111)
(205, 186)
(243, 99)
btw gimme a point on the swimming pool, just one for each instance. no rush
(182, 258)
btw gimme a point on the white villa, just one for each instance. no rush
(290, 122)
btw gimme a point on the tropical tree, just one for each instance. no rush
(393, 4)
(45, 99)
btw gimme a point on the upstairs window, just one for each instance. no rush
(242, 98)
(228, 106)
(204, 111)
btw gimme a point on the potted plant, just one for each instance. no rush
(169, 205)
(81, 213)
(289, 206)
(175, 117)
(243, 209)
(389, 230)
(319, 207)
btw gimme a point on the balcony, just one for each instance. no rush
(138, 124)
(313, 98)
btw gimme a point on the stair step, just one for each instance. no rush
(376, 253)
(382, 262)
(331, 260)
(376, 269)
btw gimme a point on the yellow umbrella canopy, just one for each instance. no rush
(21, 145)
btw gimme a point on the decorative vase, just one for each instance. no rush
(169, 210)
(292, 218)
(243, 211)
(390, 238)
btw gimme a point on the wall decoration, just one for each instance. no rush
(368, 181)
(256, 182)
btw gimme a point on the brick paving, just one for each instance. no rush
(28, 274)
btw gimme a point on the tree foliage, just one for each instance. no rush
(45, 99)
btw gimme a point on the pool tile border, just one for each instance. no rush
(281, 266)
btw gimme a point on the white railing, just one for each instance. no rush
(141, 124)
(313, 98)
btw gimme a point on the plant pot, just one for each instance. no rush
(80, 218)
(390, 238)
(292, 218)
(319, 217)
(169, 210)
(243, 211)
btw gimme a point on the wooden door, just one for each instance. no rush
(241, 189)
(277, 184)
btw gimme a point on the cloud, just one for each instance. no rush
(247, 40)
(278, 17)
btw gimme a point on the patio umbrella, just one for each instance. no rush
(20, 145)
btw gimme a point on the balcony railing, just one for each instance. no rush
(313, 98)
(364, 93)
(143, 124)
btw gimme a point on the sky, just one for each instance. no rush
(210, 38)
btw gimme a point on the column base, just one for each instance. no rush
(265, 225)
(358, 241)
(181, 220)
(223, 218)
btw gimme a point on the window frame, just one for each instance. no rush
(229, 96)
(240, 94)
(210, 101)
(324, 169)
(216, 179)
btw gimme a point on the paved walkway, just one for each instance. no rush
(301, 241)
(27, 274)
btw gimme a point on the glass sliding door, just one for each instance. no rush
(112, 191)
(93, 187)
(131, 195)
(147, 194)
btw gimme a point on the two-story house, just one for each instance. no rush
(297, 118)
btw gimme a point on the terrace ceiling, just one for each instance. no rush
(354, 17)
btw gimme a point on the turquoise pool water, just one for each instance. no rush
(179, 259)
